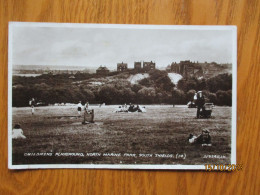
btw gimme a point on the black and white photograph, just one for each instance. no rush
(112, 96)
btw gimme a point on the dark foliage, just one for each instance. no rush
(217, 90)
(156, 89)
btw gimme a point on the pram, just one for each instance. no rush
(88, 116)
(207, 110)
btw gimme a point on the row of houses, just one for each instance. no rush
(145, 66)
(185, 68)
(196, 69)
(121, 67)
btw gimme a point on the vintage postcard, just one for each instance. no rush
(111, 96)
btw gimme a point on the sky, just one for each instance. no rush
(92, 47)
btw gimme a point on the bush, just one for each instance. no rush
(221, 82)
(178, 97)
(146, 82)
(157, 88)
(146, 95)
(190, 95)
(212, 98)
(108, 94)
(224, 97)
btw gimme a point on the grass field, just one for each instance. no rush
(162, 131)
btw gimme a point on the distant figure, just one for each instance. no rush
(200, 103)
(138, 108)
(119, 109)
(32, 104)
(86, 106)
(103, 104)
(79, 107)
(131, 108)
(17, 132)
(125, 108)
(142, 109)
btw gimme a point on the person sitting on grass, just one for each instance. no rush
(131, 108)
(119, 109)
(17, 132)
(204, 138)
(141, 109)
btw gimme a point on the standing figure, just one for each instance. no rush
(79, 107)
(32, 104)
(200, 103)
(86, 106)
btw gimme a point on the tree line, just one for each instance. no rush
(156, 89)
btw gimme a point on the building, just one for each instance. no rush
(147, 66)
(213, 69)
(138, 66)
(187, 69)
(168, 68)
(121, 67)
(102, 70)
(175, 68)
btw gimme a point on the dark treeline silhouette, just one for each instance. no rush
(156, 89)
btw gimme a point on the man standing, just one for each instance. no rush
(200, 103)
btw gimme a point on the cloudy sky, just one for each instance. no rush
(92, 47)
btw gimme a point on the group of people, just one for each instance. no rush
(88, 113)
(131, 108)
(79, 107)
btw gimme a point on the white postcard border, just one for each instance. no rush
(121, 26)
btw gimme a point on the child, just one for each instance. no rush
(79, 107)
(17, 132)
(86, 106)
(32, 104)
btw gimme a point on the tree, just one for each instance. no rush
(190, 95)
(109, 94)
(192, 83)
(165, 83)
(202, 85)
(212, 98)
(127, 96)
(88, 95)
(182, 84)
(136, 87)
(146, 95)
(146, 82)
(220, 82)
(224, 97)
(178, 97)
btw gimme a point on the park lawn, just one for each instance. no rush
(164, 129)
